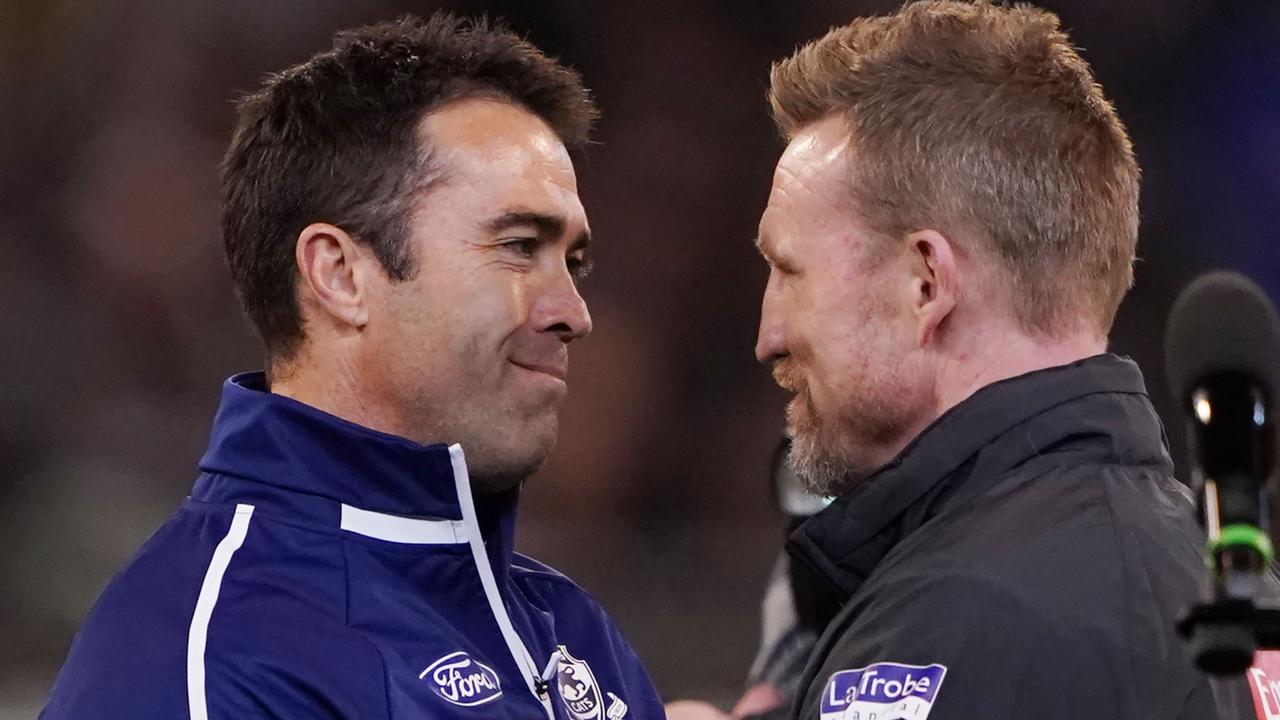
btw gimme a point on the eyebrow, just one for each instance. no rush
(549, 225)
(763, 247)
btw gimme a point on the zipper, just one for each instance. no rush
(534, 677)
(549, 671)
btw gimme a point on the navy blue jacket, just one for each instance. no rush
(324, 570)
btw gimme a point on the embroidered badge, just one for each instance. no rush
(462, 680)
(578, 688)
(882, 691)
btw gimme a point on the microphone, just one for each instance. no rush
(1222, 352)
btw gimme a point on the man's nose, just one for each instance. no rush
(770, 345)
(561, 310)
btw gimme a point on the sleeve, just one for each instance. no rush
(957, 647)
(645, 701)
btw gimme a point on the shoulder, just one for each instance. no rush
(553, 592)
(246, 618)
(582, 624)
(268, 627)
(553, 589)
(532, 569)
(1117, 533)
(951, 602)
(272, 621)
(1098, 524)
(1025, 598)
(946, 614)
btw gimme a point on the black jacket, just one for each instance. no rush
(1026, 556)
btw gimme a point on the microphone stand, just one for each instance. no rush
(1233, 438)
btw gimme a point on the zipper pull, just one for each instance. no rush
(543, 684)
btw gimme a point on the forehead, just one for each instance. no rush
(490, 148)
(811, 182)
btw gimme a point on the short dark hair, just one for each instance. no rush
(982, 117)
(334, 140)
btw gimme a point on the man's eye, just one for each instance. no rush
(521, 246)
(579, 267)
(783, 268)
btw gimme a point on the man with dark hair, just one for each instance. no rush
(950, 231)
(402, 220)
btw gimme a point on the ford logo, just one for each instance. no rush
(462, 680)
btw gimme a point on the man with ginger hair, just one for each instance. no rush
(950, 231)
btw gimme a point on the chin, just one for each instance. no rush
(820, 455)
(505, 474)
(821, 471)
(507, 466)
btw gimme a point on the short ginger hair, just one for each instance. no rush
(982, 121)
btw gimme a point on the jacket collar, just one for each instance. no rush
(300, 456)
(993, 431)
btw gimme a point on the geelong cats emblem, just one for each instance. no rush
(578, 688)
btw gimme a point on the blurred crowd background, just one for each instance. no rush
(118, 321)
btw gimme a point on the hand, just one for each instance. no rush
(758, 700)
(695, 710)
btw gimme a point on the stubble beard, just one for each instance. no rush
(833, 454)
(505, 438)
(820, 470)
(511, 441)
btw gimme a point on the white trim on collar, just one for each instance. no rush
(399, 529)
(531, 672)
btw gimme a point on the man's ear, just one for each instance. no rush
(334, 275)
(935, 281)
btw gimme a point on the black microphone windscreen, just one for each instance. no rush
(1222, 322)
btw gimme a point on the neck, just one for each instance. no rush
(1002, 354)
(333, 384)
(987, 356)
